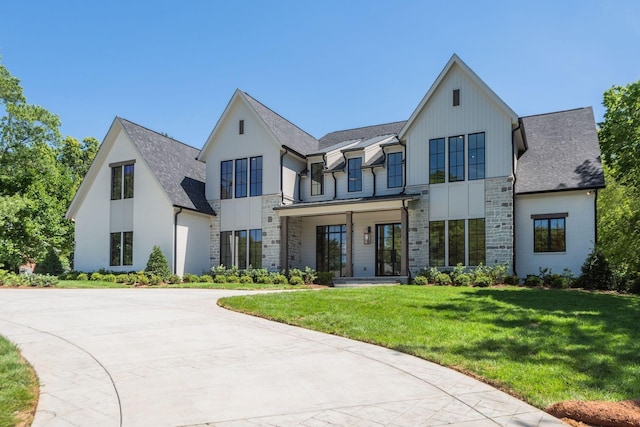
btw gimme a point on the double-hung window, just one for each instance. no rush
(549, 232)
(317, 179)
(355, 174)
(394, 170)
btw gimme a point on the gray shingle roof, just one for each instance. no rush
(563, 153)
(287, 133)
(367, 132)
(174, 165)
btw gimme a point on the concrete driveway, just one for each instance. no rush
(172, 357)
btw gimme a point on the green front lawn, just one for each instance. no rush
(90, 284)
(542, 345)
(18, 387)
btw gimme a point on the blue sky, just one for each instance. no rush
(327, 65)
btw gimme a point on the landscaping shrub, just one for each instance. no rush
(174, 279)
(157, 264)
(296, 280)
(512, 280)
(463, 279)
(246, 279)
(325, 278)
(220, 278)
(219, 270)
(442, 279)
(142, 279)
(40, 280)
(279, 279)
(532, 280)
(111, 278)
(122, 278)
(309, 275)
(82, 276)
(266, 280)
(483, 281)
(190, 278)
(233, 279)
(558, 281)
(420, 280)
(634, 285)
(596, 273)
(50, 264)
(96, 277)
(132, 279)
(205, 278)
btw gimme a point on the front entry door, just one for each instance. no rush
(388, 249)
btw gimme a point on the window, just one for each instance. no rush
(122, 181)
(476, 156)
(355, 174)
(549, 233)
(255, 176)
(436, 161)
(331, 248)
(477, 250)
(226, 179)
(436, 243)
(255, 248)
(240, 246)
(241, 127)
(241, 178)
(456, 242)
(121, 249)
(456, 158)
(456, 97)
(394, 170)
(317, 179)
(225, 248)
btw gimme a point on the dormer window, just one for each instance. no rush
(317, 179)
(241, 127)
(456, 97)
(355, 174)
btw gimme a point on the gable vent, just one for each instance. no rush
(241, 127)
(456, 97)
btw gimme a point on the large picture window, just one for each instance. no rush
(394, 170)
(436, 161)
(355, 174)
(122, 181)
(464, 242)
(241, 178)
(226, 179)
(255, 179)
(317, 179)
(436, 243)
(121, 249)
(476, 156)
(456, 158)
(549, 234)
(237, 250)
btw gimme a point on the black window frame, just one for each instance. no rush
(437, 161)
(437, 243)
(255, 176)
(255, 248)
(122, 180)
(456, 242)
(477, 241)
(241, 127)
(544, 240)
(121, 249)
(456, 158)
(354, 174)
(240, 176)
(226, 179)
(476, 156)
(394, 170)
(317, 179)
(226, 245)
(456, 97)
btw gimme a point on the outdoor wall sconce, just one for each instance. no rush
(367, 236)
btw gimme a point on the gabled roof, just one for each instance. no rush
(174, 165)
(366, 132)
(563, 153)
(456, 61)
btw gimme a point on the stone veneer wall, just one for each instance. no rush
(418, 230)
(498, 210)
(214, 235)
(271, 233)
(295, 242)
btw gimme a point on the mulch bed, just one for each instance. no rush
(597, 413)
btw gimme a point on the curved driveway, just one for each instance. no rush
(172, 357)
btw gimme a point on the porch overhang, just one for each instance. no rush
(340, 206)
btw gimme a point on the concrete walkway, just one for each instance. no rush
(171, 357)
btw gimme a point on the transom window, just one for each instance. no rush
(355, 174)
(549, 233)
(394, 170)
(317, 179)
(122, 181)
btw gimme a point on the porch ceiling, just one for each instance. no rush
(365, 204)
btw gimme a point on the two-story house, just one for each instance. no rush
(463, 180)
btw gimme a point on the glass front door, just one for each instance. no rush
(388, 249)
(331, 249)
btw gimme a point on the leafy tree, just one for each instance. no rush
(619, 133)
(39, 174)
(157, 264)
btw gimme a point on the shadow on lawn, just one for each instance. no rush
(594, 336)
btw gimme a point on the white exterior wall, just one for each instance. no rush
(477, 112)
(381, 175)
(580, 231)
(291, 168)
(192, 243)
(149, 214)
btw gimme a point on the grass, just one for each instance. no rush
(18, 387)
(544, 346)
(89, 284)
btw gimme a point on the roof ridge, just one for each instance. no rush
(282, 117)
(370, 126)
(158, 133)
(556, 112)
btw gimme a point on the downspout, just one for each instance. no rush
(595, 219)
(299, 185)
(513, 193)
(374, 181)
(335, 185)
(286, 150)
(175, 241)
(404, 167)
(406, 239)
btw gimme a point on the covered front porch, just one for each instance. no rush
(361, 239)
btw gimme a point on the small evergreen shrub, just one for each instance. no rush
(40, 280)
(205, 278)
(157, 264)
(96, 277)
(246, 279)
(483, 281)
(279, 279)
(142, 279)
(442, 279)
(51, 263)
(596, 273)
(532, 281)
(220, 278)
(82, 276)
(325, 278)
(233, 279)
(173, 279)
(190, 278)
(111, 278)
(265, 280)
(296, 280)
(463, 279)
(154, 279)
(132, 279)
(122, 278)
(557, 281)
(511, 280)
(420, 280)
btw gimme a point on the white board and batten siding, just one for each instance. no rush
(580, 229)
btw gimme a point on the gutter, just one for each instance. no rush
(175, 241)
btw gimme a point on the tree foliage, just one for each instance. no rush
(157, 264)
(40, 172)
